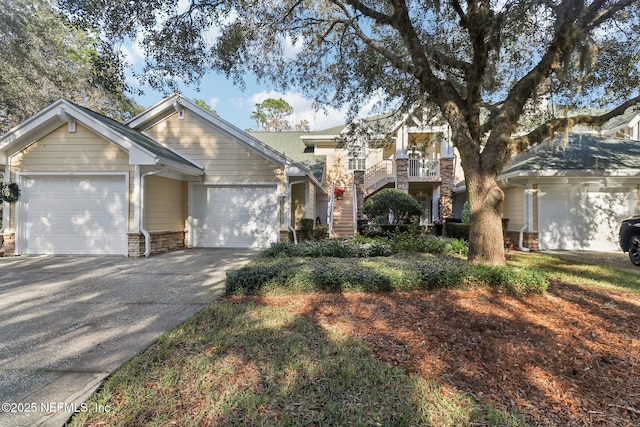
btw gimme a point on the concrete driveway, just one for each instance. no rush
(66, 323)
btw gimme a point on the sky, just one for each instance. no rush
(230, 102)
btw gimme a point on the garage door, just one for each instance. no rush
(79, 215)
(234, 216)
(582, 218)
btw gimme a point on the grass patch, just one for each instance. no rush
(249, 364)
(581, 273)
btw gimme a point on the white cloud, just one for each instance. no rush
(133, 52)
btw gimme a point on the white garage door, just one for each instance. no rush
(573, 217)
(234, 216)
(79, 215)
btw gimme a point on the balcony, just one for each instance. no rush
(423, 170)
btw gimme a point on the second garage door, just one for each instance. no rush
(582, 218)
(234, 216)
(73, 215)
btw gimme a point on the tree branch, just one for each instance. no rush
(550, 128)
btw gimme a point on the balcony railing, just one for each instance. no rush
(423, 169)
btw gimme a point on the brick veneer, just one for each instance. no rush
(161, 242)
(9, 244)
(447, 177)
(402, 174)
(529, 240)
(358, 180)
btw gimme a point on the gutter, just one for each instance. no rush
(143, 230)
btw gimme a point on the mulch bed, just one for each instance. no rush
(569, 358)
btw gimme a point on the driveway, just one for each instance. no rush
(66, 323)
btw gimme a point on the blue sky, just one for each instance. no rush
(230, 102)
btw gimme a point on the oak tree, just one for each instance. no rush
(44, 57)
(481, 62)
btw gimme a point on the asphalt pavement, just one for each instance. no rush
(67, 322)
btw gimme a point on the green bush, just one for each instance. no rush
(516, 282)
(456, 230)
(408, 271)
(399, 203)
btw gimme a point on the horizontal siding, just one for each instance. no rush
(165, 204)
(223, 158)
(513, 207)
(80, 151)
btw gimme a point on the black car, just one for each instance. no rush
(630, 238)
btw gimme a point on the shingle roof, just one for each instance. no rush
(290, 144)
(138, 138)
(579, 152)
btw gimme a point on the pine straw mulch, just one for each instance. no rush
(570, 357)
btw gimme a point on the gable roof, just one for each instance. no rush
(176, 103)
(578, 154)
(292, 146)
(141, 148)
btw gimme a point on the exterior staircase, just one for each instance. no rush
(343, 225)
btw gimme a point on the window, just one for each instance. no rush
(357, 159)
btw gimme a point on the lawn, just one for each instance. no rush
(413, 355)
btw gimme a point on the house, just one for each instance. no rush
(570, 193)
(412, 152)
(175, 176)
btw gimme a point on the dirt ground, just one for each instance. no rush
(570, 357)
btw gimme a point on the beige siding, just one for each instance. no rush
(80, 151)
(165, 204)
(298, 199)
(513, 207)
(223, 158)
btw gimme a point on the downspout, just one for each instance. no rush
(287, 209)
(143, 230)
(527, 192)
(291, 228)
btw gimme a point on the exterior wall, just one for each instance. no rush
(161, 242)
(64, 151)
(223, 158)
(529, 240)
(165, 204)
(337, 163)
(447, 166)
(513, 207)
(298, 203)
(8, 244)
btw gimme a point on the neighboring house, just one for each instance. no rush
(572, 194)
(410, 153)
(174, 176)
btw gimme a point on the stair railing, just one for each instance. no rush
(330, 208)
(378, 175)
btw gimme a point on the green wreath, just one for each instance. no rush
(9, 192)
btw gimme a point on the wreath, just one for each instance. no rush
(9, 192)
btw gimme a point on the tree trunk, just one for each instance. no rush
(486, 243)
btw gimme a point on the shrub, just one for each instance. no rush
(457, 230)
(399, 203)
(306, 229)
(409, 271)
(321, 232)
(516, 282)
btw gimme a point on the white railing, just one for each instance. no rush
(423, 168)
(330, 209)
(355, 209)
(378, 175)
